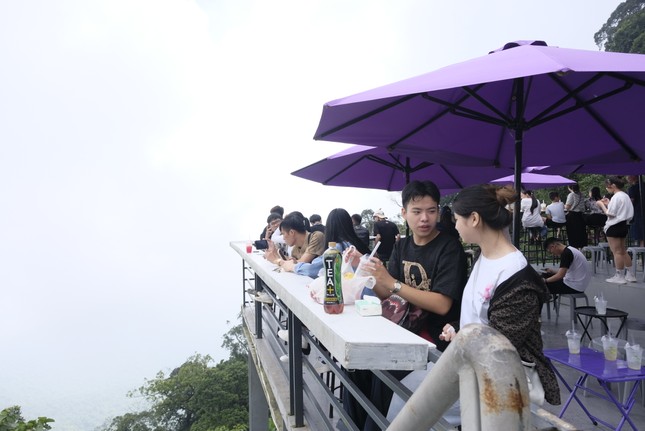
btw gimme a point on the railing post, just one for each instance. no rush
(496, 398)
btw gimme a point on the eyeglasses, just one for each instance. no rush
(275, 223)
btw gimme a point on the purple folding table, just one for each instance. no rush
(592, 363)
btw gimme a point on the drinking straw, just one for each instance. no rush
(573, 326)
(375, 248)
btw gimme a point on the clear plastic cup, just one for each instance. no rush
(610, 347)
(359, 270)
(601, 306)
(573, 340)
(634, 356)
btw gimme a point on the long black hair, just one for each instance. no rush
(534, 202)
(339, 228)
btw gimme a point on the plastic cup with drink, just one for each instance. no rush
(634, 354)
(601, 304)
(573, 340)
(249, 246)
(364, 259)
(610, 347)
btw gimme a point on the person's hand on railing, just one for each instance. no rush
(448, 333)
(272, 254)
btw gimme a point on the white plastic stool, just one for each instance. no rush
(635, 251)
(598, 256)
(572, 304)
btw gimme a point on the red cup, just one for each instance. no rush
(249, 247)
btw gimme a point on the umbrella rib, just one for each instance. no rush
(586, 105)
(425, 124)
(484, 102)
(626, 78)
(569, 94)
(456, 109)
(452, 177)
(365, 116)
(342, 171)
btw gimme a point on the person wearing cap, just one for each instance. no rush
(387, 233)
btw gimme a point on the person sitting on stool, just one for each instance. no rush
(574, 274)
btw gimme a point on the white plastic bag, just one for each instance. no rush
(536, 391)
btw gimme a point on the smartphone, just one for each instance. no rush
(261, 244)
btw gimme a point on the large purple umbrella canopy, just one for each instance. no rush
(525, 102)
(533, 181)
(630, 168)
(376, 168)
(560, 105)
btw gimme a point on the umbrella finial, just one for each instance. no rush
(517, 43)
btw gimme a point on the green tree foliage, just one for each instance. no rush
(195, 396)
(235, 342)
(624, 31)
(11, 420)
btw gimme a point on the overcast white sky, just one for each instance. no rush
(139, 137)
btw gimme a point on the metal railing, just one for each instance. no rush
(480, 368)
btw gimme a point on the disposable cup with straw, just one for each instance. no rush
(364, 259)
(634, 354)
(610, 345)
(573, 339)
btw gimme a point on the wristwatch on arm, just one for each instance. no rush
(397, 287)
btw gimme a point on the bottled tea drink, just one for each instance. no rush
(332, 262)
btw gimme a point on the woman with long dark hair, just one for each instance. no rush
(503, 290)
(531, 217)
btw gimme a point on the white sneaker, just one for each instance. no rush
(284, 358)
(321, 366)
(629, 277)
(283, 334)
(617, 278)
(263, 297)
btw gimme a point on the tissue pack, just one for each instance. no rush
(368, 306)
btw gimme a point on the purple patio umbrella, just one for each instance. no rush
(526, 101)
(376, 168)
(532, 181)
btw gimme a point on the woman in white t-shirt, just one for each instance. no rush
(531, 217)
(503, 290)
(620, 211)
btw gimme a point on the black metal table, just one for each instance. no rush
(590, 313)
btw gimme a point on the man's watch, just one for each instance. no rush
(397, 287)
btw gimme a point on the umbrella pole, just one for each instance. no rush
(519, 135)
(518, 187)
